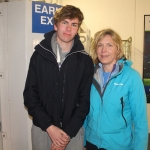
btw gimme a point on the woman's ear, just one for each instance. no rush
(118, 51)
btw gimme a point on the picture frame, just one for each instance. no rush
(146, 57)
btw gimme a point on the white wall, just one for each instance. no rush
(3, 12)
(12, 46)
(4, 97)
(17, 73)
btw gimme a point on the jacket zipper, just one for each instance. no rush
(121, 99)
(109, 81)
(62, 101)
(59, 66)
(122, 103)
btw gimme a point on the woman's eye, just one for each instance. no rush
(109, 45)
(99, 45)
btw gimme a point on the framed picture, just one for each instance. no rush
(146, 57)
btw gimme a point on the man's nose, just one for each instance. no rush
(68, 27)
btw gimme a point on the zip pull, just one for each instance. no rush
(121, 99)
(61, 123)
(122, 104)
(58, 55)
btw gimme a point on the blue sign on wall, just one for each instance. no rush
(42, 16)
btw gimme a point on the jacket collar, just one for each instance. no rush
(45, 48)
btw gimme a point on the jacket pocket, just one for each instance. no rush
(115, 114)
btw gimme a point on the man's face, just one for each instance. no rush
(66, 30)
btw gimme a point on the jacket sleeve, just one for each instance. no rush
(82, 110)
(32, 98)
(139, 113)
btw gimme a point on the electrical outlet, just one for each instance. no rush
(1, 75)
(1, 13)
(4, 135)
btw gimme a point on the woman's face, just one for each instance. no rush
(107, 51)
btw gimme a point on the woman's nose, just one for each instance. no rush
(104, 48)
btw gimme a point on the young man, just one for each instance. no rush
(58, 84)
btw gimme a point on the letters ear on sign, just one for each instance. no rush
(42, 16)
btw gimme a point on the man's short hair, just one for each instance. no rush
(68, 12)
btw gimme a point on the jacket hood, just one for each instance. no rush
(121, 62)
(45, 44)
(125, 62)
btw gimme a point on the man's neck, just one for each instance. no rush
(66, 47)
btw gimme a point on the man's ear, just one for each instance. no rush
(55, 27)
(78, 32)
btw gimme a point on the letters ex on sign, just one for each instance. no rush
(42, 16)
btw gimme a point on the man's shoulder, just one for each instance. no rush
(85, 55)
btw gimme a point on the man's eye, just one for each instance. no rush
(74, 25)
(64, 22)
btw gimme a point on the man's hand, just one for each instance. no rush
(58, 136)
(54, 147)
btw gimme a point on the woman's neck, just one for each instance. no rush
(108, 68)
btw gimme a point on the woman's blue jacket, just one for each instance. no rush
(118, 117)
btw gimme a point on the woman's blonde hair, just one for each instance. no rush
(99, 36)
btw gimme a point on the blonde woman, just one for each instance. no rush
(117, 119)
